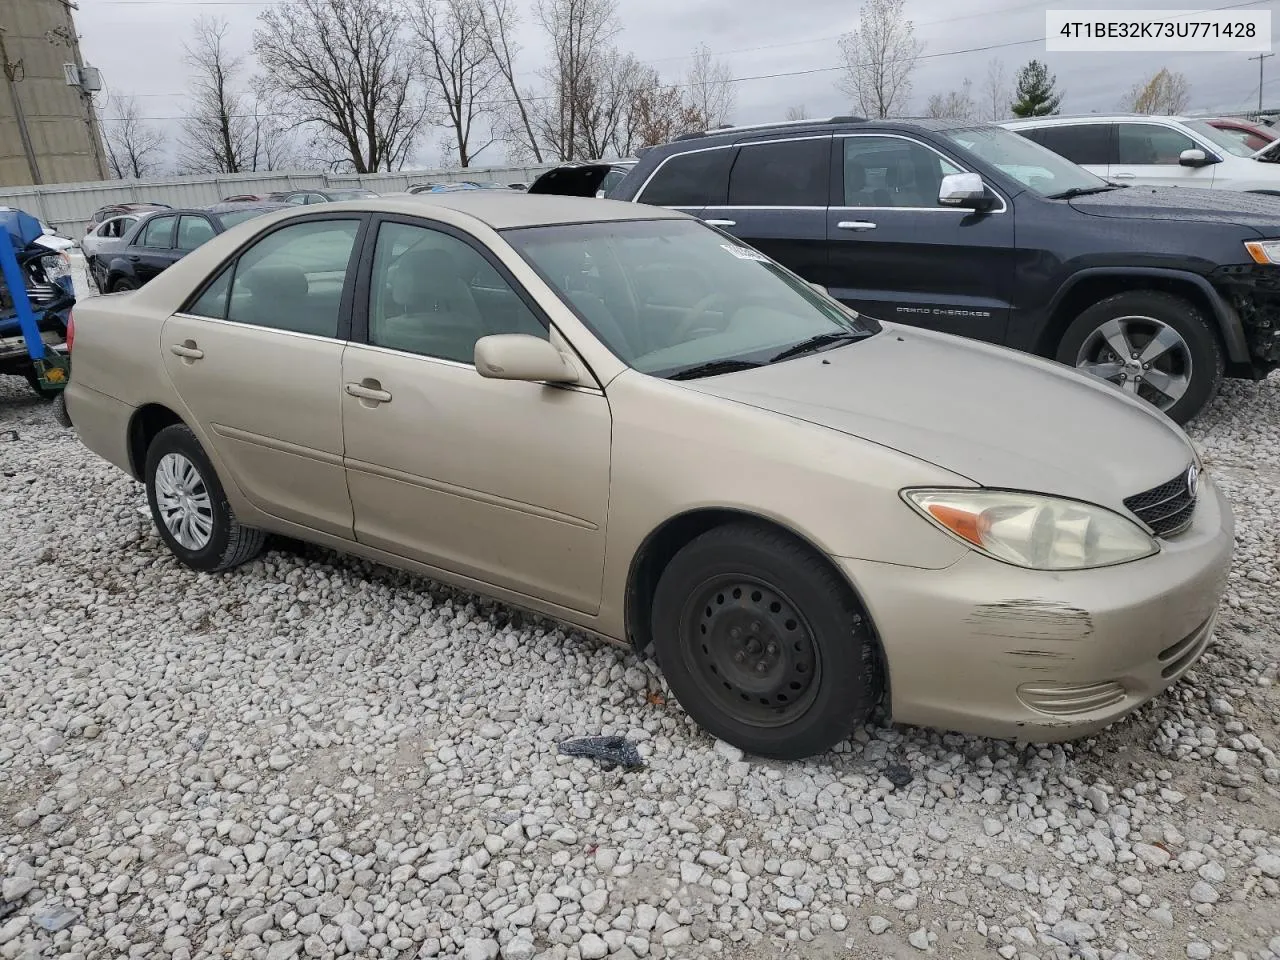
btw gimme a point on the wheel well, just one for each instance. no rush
(147, 421)
(1091, 290)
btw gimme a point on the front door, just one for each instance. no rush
(1148, 153)
(897, 254)
(504, 482)
(153, 251)
(257, 360)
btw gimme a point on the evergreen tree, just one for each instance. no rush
(1036, 95)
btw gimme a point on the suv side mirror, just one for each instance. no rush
(1195, 157)
(519, 356)
(965, 190)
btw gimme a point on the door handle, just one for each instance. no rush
(722, 223)
(187, 350)
(133, 258)
(364, 391)
(1125, 176)
(856, 225)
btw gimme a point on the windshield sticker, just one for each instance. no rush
(745, 253)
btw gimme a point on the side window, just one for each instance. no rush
(1083, 143)
(697, 179)
(791, 173)
(297, 198)
(892, 172)
(158, 233)
(213, 302)
(432, 294)
(293, 278)
(193, 231)
(1149, 143)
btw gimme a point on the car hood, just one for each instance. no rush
(1253, 210)
(995, 416)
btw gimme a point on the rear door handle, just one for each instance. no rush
(133, 258)
(722, 223)
(856, 225)
(363, 391)
(188, 350)
(1124, 176)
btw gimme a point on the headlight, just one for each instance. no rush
(1034, 531)
(1263, 251)
(55, 266)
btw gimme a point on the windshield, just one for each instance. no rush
(229, 220)
(1035, 167)
(1232, 141)
(670, 297)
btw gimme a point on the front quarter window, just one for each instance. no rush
(674, 298)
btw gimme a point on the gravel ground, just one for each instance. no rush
(313, 756)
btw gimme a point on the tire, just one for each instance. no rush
(123, 284)
(228, 543)
(1196, 362)
(762, 594)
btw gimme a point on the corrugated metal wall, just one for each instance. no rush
(70, 206)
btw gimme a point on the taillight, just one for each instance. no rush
(71, 329)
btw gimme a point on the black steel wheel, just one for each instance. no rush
(764, 643)
(752, 651)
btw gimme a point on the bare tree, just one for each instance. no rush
(1165, 93)
(227, 128)
(342, 67)
(997, 94)
(134, 149)
(660, 113)
(879, 57)
(580, 31)
(710, 86)
(954, 105)
(460, 67)
(515, 123)
(606, 96)
(797, 112)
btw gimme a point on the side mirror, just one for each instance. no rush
(1195, 157)
(965, 190)
(518, 356)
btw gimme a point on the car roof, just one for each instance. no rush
(1092, 118)
(509, 209)
(266, 206)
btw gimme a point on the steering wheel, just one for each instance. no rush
(698, 323)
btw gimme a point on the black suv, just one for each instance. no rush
(974, 230)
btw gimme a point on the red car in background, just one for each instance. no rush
(1253, 135)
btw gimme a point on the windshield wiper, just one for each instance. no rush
(1082, 191)
(711, 368)
(814, 344)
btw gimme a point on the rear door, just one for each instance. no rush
(897, 254)
(690, 181)
(1148, 153)
(777, 201)
(1091, 145)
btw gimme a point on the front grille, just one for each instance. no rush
(1166, 509)
(1071, 699)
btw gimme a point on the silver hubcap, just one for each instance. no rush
(183, 501)
(1140, 355)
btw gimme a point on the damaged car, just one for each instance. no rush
(618, 416)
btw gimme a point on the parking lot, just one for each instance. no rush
(315, 756)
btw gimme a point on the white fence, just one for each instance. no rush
(68, 207)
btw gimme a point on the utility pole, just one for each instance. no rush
(11, 71)
(1260, 57)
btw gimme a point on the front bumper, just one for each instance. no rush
(986, 648)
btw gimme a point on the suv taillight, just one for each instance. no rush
(71, 329)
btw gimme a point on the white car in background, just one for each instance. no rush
(1156, 151)
(104, 239)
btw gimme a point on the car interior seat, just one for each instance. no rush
(440, 317)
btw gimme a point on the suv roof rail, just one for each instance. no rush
(847, 119)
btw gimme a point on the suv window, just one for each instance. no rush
(193, 231)
(789, 173)
(433, 294)
(697, 179)
(291, 279)
(1082, 143)
(1149, 143)
(892, 172)
(158, 233)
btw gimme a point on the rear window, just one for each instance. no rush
(788, 173)
(696, 179)
(229, 220)
(1085, 143)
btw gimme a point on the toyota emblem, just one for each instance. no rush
(1193, 481)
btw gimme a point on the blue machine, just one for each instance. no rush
(36, 297)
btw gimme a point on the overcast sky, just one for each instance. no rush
(137, 44)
